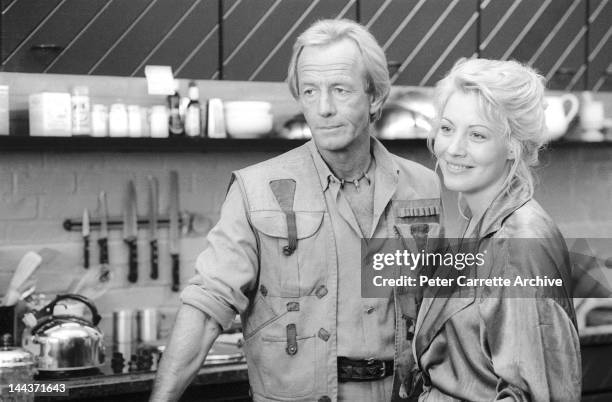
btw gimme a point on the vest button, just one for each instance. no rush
(370, 310)
(321, 291)
(325, 398)
(293, 306)
(263, 290)
(323, 334)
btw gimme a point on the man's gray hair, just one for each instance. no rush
(324, 32)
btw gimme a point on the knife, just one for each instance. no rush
(174, 229)
(103, 240)
(130, 231)
(153, 193)
(85, 233)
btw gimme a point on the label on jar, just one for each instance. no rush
(81, 123)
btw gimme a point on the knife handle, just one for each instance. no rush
(154, 263)
(103, 243)
(175, 272)
(133, 260)
(86, 251)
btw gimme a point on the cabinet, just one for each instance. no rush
(258, 35)
(422, 39)
(600, 46)
(549, 35)
(568, 41)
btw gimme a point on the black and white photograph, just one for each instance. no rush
(306, 200)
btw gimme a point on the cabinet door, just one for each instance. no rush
(258, 35)
(548, 35)
(107, 37)
(422, 39)
(600, 45)
(34, 32)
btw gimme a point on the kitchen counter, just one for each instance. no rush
(216, 382)
(230, 381)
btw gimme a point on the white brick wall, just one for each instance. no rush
(39, 191)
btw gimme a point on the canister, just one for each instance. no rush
(81, 113)
(159, 121)
(118, 120)
(99, 120)
(148, 325)
(134, 121)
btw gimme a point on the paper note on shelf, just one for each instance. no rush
(159, 80)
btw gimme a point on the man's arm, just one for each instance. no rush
(193, 334)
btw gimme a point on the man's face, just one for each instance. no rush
(331, 84)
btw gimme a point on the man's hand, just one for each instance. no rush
(192, 337)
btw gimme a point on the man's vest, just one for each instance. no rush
(290, 325)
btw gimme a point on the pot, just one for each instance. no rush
(406, 115)
(16, 367)
(66, 342)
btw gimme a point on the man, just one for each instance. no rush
(285, 253)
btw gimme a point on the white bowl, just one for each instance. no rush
(247, 106)
(248, 124)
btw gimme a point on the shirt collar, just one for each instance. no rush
(383, 158)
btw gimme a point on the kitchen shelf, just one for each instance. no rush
(192, 145)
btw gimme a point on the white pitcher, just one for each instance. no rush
(557, 120)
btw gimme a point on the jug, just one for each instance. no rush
(557, 120)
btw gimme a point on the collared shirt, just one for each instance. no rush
(249, 232)
(365, 326)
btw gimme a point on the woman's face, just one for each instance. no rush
(472, 156)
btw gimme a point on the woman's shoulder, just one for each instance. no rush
(529, 221)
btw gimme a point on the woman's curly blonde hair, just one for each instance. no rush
(511, 98)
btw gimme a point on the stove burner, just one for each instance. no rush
(63, 375)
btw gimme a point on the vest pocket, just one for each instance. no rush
(288, 375)
(290, 274)
(258, 317)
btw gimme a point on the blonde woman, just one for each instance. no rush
(487, 343)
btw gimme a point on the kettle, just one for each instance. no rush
(65, 342)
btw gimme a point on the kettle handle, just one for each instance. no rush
(48, 309)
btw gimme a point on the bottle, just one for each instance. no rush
(81, 118)
(193, 120)
(216, 119)
(175, 125)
